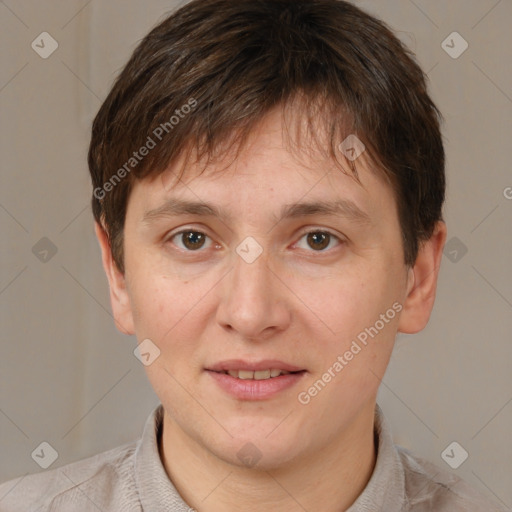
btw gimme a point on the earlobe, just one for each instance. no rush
(119, 297)
(422, 283)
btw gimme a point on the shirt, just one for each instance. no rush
(132, 478)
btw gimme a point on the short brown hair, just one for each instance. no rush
(231, 61)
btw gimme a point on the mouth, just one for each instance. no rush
(257, 374)
(257, 380)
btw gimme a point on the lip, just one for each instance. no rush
(240, 364)
(247, 389)
(255, 389)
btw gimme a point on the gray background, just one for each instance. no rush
(70, 379)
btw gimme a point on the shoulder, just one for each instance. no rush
(429, 487)
(83, 485)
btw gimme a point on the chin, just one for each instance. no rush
(256, 449)
(263, 458)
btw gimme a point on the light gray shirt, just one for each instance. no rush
(132, 478)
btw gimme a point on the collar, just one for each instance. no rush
(386, 488)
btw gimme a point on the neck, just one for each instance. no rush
(330, 479)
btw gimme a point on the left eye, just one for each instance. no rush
(319, 240)
(191, 240)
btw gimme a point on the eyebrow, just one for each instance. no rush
(340, 207)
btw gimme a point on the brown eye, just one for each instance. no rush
(193, 240)
(190, 240)
(318, 240)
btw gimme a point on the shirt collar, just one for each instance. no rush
(156, 491)
(385, 489)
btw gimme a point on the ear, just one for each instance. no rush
(422, 283)
(119, 298)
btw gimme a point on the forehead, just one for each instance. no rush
(271, 161)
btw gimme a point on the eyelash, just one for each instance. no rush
(313, 231)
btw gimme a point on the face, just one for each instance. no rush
(270, 277)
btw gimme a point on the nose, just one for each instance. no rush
(254, 302)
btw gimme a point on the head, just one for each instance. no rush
(306, 126)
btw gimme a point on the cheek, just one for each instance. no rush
(161, 305)
(347, 301)
(154, 294)
(174, 314)
(356, 317)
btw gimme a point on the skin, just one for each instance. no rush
(299, 302)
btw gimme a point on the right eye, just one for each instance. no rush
(191, 240)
